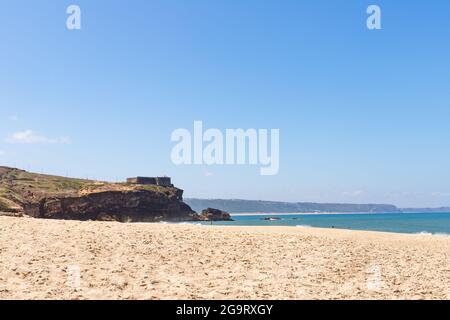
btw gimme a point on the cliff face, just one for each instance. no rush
(52, 197)
(124, 206)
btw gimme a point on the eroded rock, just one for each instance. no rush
(123, 206)
(211, 214)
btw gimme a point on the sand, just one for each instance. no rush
(47, 259)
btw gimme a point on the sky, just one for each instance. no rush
(363, 114)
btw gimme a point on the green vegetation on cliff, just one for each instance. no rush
(18, 187)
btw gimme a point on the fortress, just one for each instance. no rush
(157, 181)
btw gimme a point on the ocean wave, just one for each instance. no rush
(181, 223)
(303, 226)
(437, 234)
(189, 223)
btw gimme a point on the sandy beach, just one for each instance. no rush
(49, 259)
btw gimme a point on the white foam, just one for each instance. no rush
(190, 223)
(438, 234)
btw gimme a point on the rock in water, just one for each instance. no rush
(211, 214)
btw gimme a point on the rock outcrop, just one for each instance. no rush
(43, 196)
(211, 214)
(53, 197)
(123, 206)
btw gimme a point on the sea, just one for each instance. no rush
(415, 223)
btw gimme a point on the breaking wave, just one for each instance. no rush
(438, 234)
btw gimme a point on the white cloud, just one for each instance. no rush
(30, 137)
(355, 193)
(209, 174)
(441, 194)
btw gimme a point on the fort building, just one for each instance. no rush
(157, 181)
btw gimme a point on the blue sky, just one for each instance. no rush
(363, 115)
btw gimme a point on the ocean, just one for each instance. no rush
(418, 223)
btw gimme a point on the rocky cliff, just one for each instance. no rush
(43, 196)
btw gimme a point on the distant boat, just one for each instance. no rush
(271, 219)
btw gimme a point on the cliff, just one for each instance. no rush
(44, 196)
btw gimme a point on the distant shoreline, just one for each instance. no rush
(303, 213)
(245, 214)
(263, 206)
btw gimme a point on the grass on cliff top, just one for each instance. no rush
(105, 186)
(18, 187)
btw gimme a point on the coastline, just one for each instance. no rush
(245, 214)
(410, 223)
(332, 232)
(171, 261)
(306, 228)
(288, 228)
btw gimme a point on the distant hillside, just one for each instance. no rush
(250, 206)
(426, 210)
